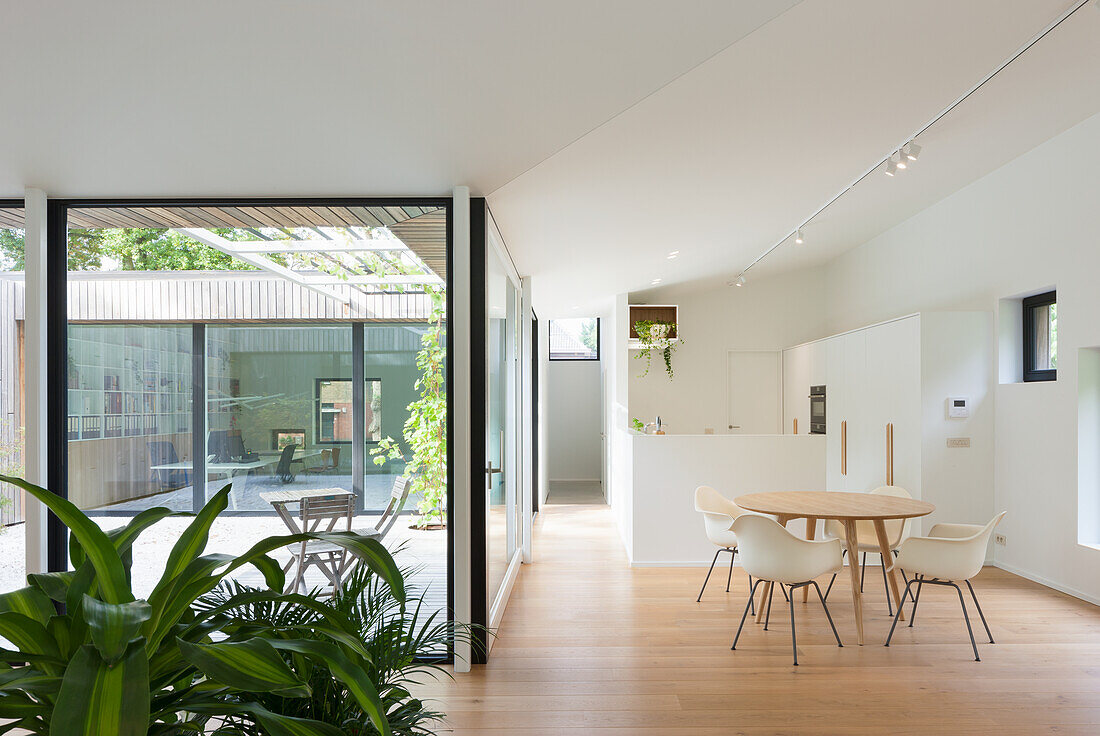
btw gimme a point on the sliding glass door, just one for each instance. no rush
(503, 523)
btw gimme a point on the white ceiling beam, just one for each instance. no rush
(391, 280)
(229, 247)
(318, 245)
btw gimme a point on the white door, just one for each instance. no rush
(755, 396)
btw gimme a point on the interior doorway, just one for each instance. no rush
(574, 412)
(753, 385)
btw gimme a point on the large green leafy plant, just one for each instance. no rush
(89, 659)
(406, 642)
(426, 425)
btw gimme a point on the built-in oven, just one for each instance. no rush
(817, 410)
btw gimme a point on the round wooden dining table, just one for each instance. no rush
(847, 508)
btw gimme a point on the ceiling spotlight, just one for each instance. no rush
(798, 236)
(740, 281)
(911, 150)
(901, 164)
(891, 167)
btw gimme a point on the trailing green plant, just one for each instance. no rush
(426, 426)
(657, 340)
(109, 663)
(637, 424)
(405, 643)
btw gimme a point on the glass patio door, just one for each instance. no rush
(502, 473)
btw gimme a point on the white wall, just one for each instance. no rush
(666, 528)
(766, 316)
(574, 420)
(1024, 227)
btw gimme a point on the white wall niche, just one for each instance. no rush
(1088, 447)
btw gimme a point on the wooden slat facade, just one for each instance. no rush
(227, 296)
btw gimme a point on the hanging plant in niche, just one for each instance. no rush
(656, 337)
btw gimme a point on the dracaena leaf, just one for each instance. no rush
(110, 572)
(250, 666)
(97, 698)
(113, 626)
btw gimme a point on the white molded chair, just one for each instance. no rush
(771, 553)
(867, 540)
(718, 516)
(950, 552)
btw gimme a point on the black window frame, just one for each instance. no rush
(1031, 373)
(599, 344)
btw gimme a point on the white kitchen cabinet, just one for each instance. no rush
(901, 373)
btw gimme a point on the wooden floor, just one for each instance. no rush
(590, 646)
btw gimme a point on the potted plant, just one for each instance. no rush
(109, 663)
(656, 337)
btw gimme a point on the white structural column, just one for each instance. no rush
(34, 355)
(461, 442)
(527, 435)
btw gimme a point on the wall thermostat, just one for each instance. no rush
(958, 407)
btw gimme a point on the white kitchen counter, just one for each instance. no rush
(654, 479)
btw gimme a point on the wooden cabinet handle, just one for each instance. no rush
(890, 454)
(844, 448)
(796, 425)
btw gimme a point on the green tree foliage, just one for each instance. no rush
(130, 249)
(589, 334)
(426, 425)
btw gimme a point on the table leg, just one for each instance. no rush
(884, 550)
(767, 586)
(811, 531)
(853, 568)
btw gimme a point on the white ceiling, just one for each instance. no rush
(342, 97)
(728, 158)
(605, 134)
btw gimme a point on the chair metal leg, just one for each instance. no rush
(886, 587)
(898, 614)
(768, 615)
(708, 575)
(843, 552)
(979, 607)
(827, 614)
(752, 603)
(966, 616)
(794, 642)
(784, 592)
(862, 571)
(733, 556)
(904, 577)
(752, 592)
(920, 584)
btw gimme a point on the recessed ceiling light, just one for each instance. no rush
(673, 255)
(655, 281)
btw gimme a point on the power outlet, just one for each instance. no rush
(1000, 539)
(958, 442)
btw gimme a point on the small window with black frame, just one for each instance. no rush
(1041, 337)
(575, 339)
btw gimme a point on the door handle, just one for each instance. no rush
(489, 469)
(735, 426)
(844, 448)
